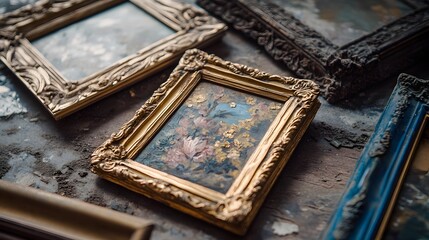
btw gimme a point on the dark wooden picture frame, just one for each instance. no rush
(340, 70)
(373, 188)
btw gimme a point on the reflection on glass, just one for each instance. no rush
(342, 21)
(95, 43)
(211, 136)
(410, 217)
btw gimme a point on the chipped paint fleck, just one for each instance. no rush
(282, 228)
(10, 103)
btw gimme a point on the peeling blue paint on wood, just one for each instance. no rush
(371, 186)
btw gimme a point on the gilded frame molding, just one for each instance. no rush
(235, 209)
(61, 97)
(28, 213)
(371, 192)
(339, 70)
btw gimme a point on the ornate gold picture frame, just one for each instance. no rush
(62, 96)
(211, 140)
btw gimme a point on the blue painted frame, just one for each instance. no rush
(371, 186)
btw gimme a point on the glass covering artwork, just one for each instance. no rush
(94, 43)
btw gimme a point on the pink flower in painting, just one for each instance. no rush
(263, 107)
(184, 122)
(182, 131)
(203, 110)
(188, 150)
(206, 153)
(175, 157)
(202, 122)
(192, 147)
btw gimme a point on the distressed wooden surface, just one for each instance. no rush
(37, 151)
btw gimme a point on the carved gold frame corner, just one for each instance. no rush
(235, 209)
(61, 97)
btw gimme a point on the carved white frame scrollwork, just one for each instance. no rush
(235, 209)
(61, 97)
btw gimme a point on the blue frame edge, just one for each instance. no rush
(370, 188)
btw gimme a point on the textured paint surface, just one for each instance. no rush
(344, 21)
(95, 43)
(211, 136)
(410, 218)
(282, 228)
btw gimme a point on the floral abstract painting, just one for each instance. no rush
(210, 137)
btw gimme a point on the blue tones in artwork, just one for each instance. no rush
(209, 139)
(225, 113)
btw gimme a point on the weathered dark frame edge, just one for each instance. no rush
(341, 71)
